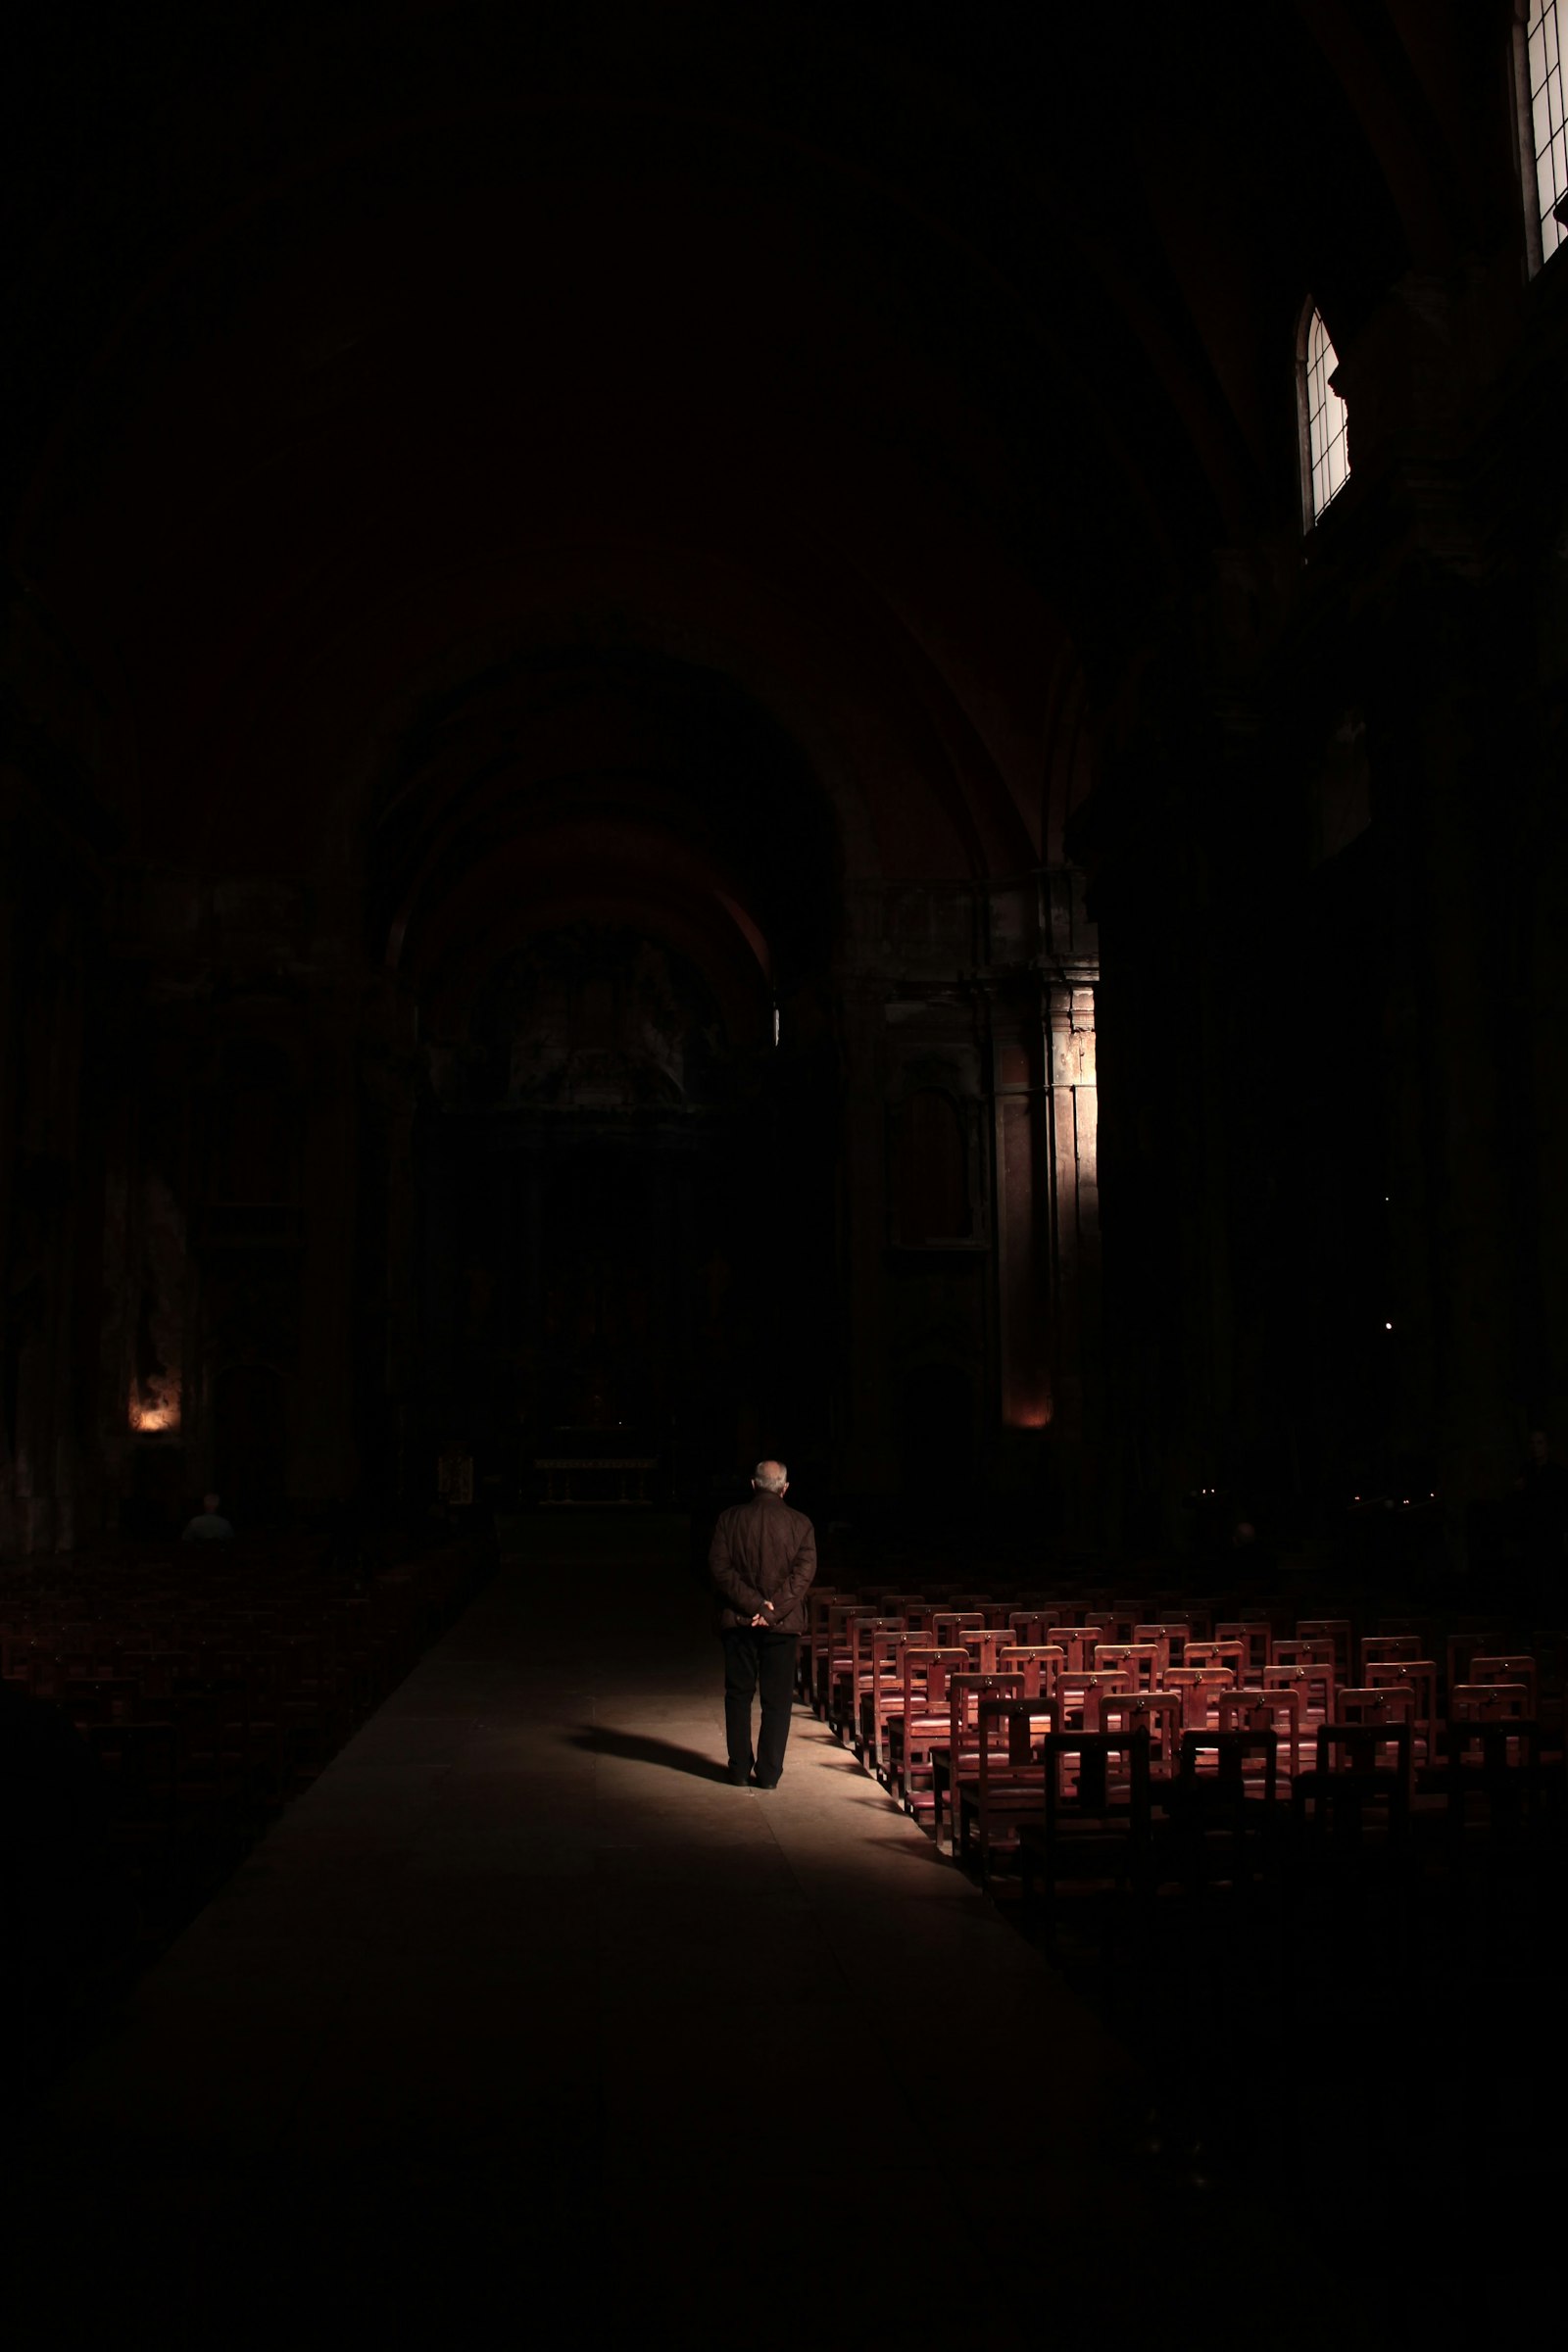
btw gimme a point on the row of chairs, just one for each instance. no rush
(211, 1683)
(1008, 1716)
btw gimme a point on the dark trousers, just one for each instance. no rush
(757, 1660)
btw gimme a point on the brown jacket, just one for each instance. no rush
(762, 1552)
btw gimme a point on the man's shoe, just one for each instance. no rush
(765, 1783)
(740, 1780)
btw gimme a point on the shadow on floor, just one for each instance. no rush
(637, 1747)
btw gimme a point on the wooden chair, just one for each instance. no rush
(1159, 1713)
(1382, 1650)
(1171, 1635)
(953, 1757)
(1312, 1675)
(1506, 1668)
(1349, 1782)
(1263, 1711)
(1256, 1639)
(1337, 1633)
(1227, 1657)
(1201, 1689)
(877, 1672)
(1418, 1676)
(1140, 1659)
(1041, 1663)
(1006, 1782)
(854, 1685)
(1098, 1820)
(922, 1722)
(1224, 1807)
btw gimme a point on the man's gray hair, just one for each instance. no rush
(772, 1477)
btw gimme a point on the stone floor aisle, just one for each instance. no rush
(523, 2017)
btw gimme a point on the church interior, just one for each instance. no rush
(648, 649)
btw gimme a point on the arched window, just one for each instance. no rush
(1542, 129)
(1325, 447)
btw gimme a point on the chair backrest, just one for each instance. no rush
(1257, 1636)
(1230, 1653)
(1490, 1702)
(1517, 1668)
(965, 1691)
(1261, 1710)
(1311, 1663)
(1418, 1676)
(1230, 1746)
(1077, 1644)
(1094, 1687)
(1462, 1647)
(1094, 1753)
(1354, 1749)
(866, 1635)
(948, 1625)
(1337, 1633)
(1201, 1689)
(1010, 1731)
(927, 1672)
(1159, 1713)
(1364, 1704)
(1031, 1625)
(983, 1642)
(1041, 1663)
(1140, 1659)
(1174, 1632)
(1378, 1649)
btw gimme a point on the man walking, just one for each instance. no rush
(761, 1560)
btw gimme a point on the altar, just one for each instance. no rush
(614, 1468)
(615, 1480)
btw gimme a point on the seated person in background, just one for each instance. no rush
(206, 1526)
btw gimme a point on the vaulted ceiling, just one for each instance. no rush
(487, 456)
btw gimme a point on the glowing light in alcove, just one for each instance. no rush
(155, 1408)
